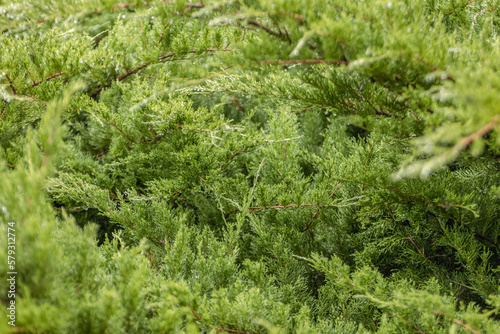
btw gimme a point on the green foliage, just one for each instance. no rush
(251, 166)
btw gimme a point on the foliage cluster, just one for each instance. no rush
(251, 166)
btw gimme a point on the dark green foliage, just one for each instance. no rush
(251, 166)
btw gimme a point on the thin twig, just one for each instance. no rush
(194, 5)
(335, 190)
(161, 37)
(310, 222)
(37, 100)
(468, 3)
(478, 134)
(414, 244)
(229, 330)
(140, 67)
(121, 131)
(268, 30)
(48, 78)
(29, 72)
(280, 206)
(11, 85)
(317, 211)
(423, 61)
(458, 322)
(304, 61)
(230, 158)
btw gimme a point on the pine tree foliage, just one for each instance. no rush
(251, 166)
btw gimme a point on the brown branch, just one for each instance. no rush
(129, 73)
(458, 322)
(468, 3)
(140, 67)
(478, 134)
(317, 211)
(168, 55)
(255, 208)
(310, 222)
(230, 158)
(37, 100)
(434, 68)
(486, 238)
(195, 314)
(335, 190)
(270, 31)
(161, 37)
(11, 85)
(414, 244)
(301, 110)
(121, 131)
(147, 76)
(120, 6)
(48, 78)
(280, 206)
(29, 72)
(304, 61)
(193, 5)
(229, 330)
(294, 15)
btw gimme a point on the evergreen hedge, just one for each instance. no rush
(251, 166)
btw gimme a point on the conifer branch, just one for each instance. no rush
(270, 31)
(121, 131)
(486, 238)
(467, 4)
(280, 206)
(230, 158)
(310, 222)
(195, 313)
(161, 36)
(303, 61)
(222, 329)
(11, 85)
(193, 5)
(162, 58)
(458, 322)
(478, 134)
(28, 70)
(434, 68)
(300, 18)
(48, 78)
(413, 242)
(317, 211)
(36, 100)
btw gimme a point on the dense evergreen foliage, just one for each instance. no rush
(251, 166)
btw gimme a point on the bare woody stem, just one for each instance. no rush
(270, 31)
(304, 61)
(48, 78)
(11, 85)
(229, 330)
(165, 57)
(458, 322)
